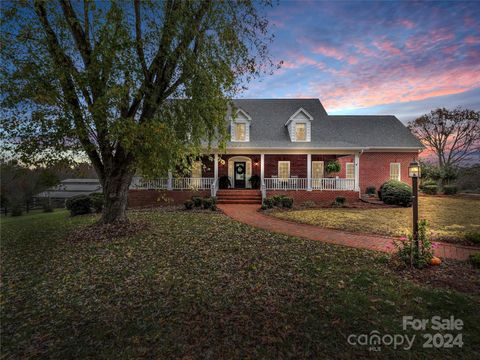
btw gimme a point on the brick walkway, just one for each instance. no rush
(248, 214)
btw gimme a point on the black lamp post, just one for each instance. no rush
(414, 172)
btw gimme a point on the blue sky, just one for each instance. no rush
(400, 58)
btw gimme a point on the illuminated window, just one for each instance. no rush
(300, 132)
(317, 169)
(284, 169)
(197, 169)
(240, 130)
(395, 171)
(350, 170)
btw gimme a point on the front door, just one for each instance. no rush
(239, 168)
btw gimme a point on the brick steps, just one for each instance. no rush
(237, 196)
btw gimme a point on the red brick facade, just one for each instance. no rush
(375, 167)
(374, 171)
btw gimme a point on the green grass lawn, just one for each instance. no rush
(199, 285)
(449, 218)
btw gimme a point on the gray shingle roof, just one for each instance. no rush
(362, 131)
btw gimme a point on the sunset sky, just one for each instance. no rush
(400, 58)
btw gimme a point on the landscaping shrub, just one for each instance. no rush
(263, 207)
(214, 207)
(430, 189)
(188, 204)
(79, 205)
(255, 181)
(224, 182)
(407, 250)
(475, 260)
(268, 203)
(97, 202)
(450, 190)
(287, 202)
(396, 193)
(277, 200)
(333, 167)
(207, 203)
(308, 204)
(17, 210)
(370, 190)
(340, 200)
(427, 182)
(197, 201)
(473, 236)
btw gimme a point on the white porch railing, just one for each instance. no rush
(177, 184)
(316, 184)
(214, 188)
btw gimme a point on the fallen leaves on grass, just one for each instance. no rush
(450, 274)
(107, 232)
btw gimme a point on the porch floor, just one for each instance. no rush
(250, 215)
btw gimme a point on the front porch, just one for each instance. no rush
(275, 173)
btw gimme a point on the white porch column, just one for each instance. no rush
(262, 168)
(309, 172)
(169, 182)
(357, 172)
(215, 168)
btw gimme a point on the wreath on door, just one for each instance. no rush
(240, 169)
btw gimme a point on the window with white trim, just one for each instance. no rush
(300, 131)
(197, 169)
(240, 131)
(350, 171)
(395, 171)
(284, 169)
(318, 169)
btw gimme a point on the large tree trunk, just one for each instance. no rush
(115, 189)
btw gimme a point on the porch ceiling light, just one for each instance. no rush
(414, 170)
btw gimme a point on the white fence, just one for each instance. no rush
(173, 184)
(316, 184)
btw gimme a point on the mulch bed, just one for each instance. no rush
(450, 274)
(107, 232)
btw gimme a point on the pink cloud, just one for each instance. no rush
(297, 61)
(428, 41)
(472, 40)
(402, 84)
(407, 23)
(334, 53)
(388, 47)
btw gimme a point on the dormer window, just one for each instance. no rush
(301, 131)
(240, 131)
(300, 125)
(240, 126)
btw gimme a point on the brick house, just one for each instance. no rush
(291, 144)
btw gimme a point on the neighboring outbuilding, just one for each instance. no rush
(69, 188)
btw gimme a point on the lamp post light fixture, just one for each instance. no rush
(415, 172)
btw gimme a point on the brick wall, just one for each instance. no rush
(140, 198)
(375, 167)
(298, 165)
(316, 196)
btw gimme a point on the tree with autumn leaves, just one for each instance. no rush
(104, 79)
